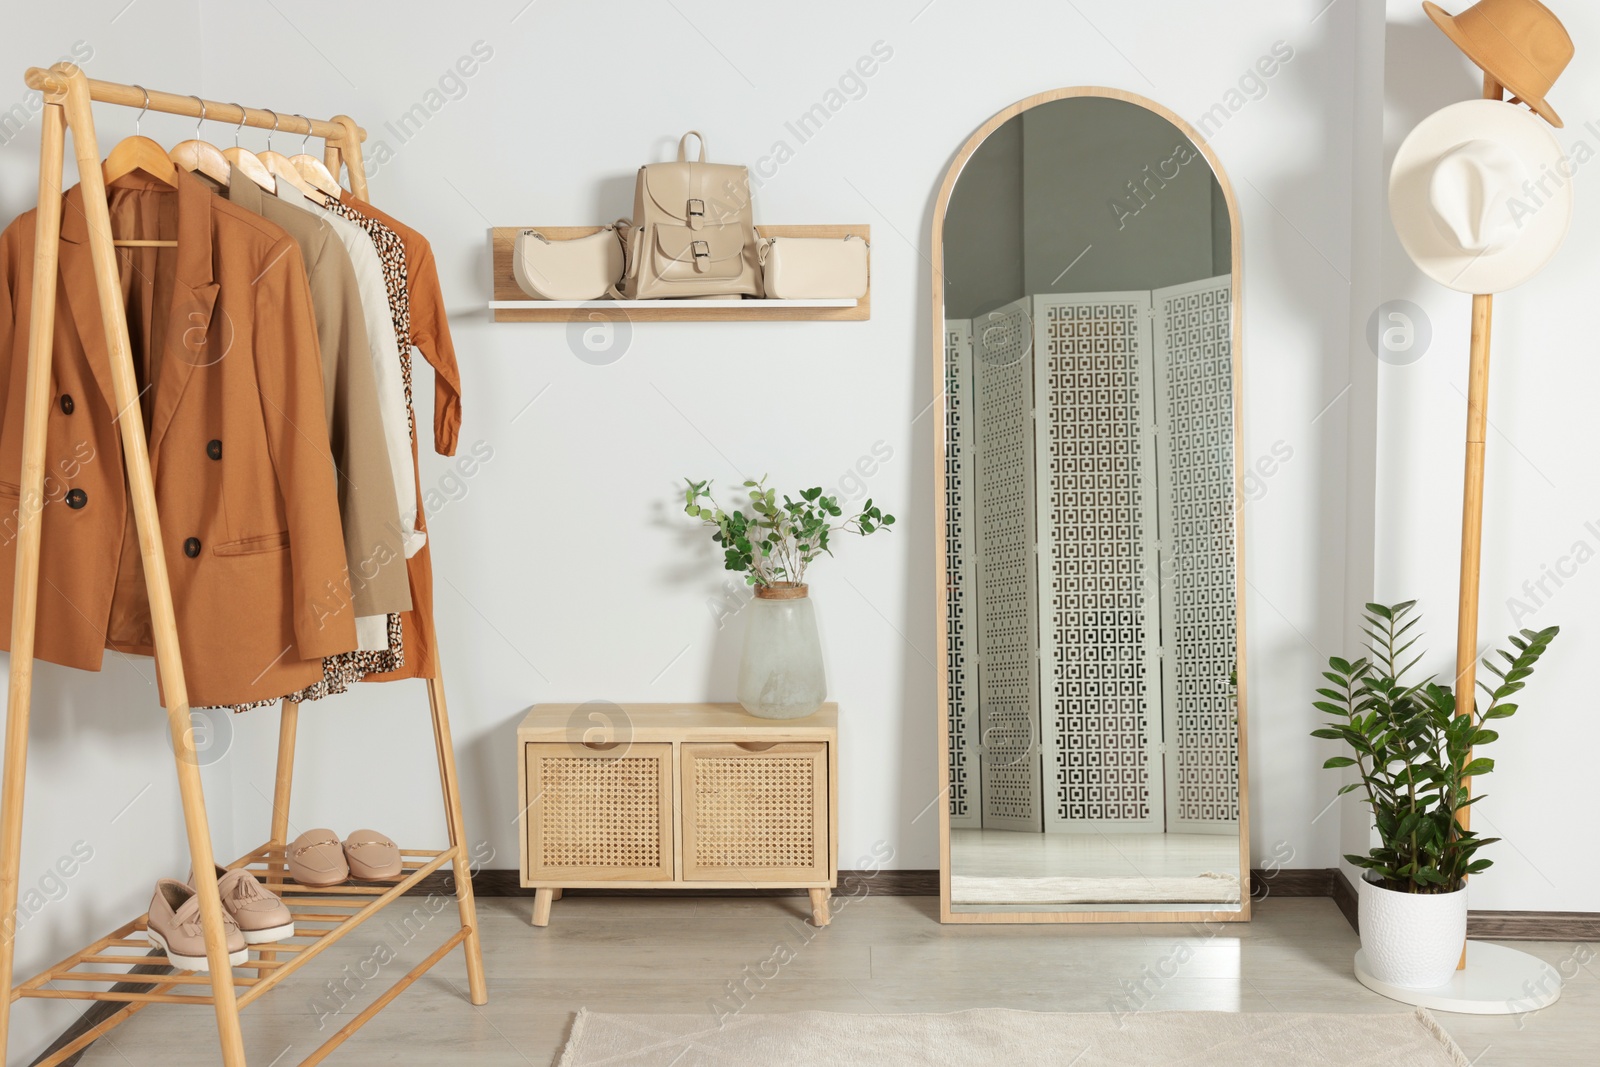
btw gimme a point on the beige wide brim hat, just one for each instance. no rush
(1480, 196)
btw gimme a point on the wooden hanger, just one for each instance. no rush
(198, 155)
(248, 162)
(142, 154)
(277, 163)
(312, 169)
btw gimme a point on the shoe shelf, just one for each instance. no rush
(511, 304)
(119, 963)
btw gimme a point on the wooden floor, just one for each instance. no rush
(882, 954)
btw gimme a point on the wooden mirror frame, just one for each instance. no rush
(942, 578)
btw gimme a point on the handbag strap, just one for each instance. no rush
(624, 228)
(683, 146)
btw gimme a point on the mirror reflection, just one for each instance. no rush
(1091, 559)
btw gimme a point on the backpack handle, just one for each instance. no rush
(683, 146)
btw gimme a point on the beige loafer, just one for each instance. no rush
(316, 859)
(260, 915)
(174, 924)
(371, 856)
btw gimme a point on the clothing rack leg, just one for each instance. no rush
(24, 604)
(277, 870)
(288, 724)
(141, 486)
(477, 984)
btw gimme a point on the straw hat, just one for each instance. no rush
(1520, 43)
(1481, 196)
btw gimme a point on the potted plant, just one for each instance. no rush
(1414, 755)
(780, 672)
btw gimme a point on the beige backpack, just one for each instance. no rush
(692, 232)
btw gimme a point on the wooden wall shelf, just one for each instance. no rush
(511, 304)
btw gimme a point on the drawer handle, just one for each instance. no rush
(756, 746)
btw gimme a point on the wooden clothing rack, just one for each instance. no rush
(322, 916)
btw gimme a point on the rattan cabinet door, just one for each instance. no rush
(755, 812)
(596, 814)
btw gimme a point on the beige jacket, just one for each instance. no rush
(356, 432)
(384, 351)
(374, 551)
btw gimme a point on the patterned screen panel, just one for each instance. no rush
(1098, 532)
(1004, 585)
(962, 666)
(1195, 404)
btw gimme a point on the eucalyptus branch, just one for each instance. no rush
(777, 541)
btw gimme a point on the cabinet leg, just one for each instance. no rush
(541, 906)
(555, 894)
(819, 906)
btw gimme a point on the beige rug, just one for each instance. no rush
(1208, 888)
(1011, 1038)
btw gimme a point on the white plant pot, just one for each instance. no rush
(1412, 940)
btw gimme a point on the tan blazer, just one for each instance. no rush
(225, 350)
(374, 551)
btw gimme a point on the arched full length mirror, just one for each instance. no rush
(1086, 306)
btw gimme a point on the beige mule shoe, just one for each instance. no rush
(316, 859)
(372, 856)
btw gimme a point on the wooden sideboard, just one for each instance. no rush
(682, 796)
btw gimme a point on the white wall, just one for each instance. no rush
(564, 570)
(1541, 481)
(567, 573)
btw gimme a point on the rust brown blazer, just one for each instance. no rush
(225, 349)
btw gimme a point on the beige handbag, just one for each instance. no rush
(814, 268)
(584, 268)
(693, 232)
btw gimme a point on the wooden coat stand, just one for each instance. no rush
(322, 916)
(1472, 504)
(1490, 979)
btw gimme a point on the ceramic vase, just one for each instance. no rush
(1412, 940)
(780, 672)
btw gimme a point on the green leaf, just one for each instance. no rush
(1338, 761)
(1481, 765)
